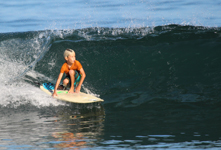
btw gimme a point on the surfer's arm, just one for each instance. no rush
(83, 75)
(57, 84)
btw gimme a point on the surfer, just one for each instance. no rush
(74, 71)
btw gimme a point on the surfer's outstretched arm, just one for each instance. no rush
(57, 84)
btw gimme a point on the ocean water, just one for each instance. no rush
(156, 64)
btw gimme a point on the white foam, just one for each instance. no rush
(89, 91)
(17, 58)
(21, 93)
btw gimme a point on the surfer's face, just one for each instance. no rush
(71, 58)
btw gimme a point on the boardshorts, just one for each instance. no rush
(77, 79)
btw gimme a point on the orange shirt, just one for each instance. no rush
(75, 66)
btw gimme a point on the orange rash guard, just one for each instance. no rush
(75, 66)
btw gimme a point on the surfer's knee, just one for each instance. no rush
(65, 81)
(71, 72)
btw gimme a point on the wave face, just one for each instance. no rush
(127, 66)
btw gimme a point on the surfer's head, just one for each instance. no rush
(69, 55)
(68, 52)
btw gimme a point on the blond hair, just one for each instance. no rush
(68, 51)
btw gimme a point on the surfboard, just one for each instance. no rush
(72, 97)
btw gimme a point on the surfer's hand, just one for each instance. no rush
(54, 94)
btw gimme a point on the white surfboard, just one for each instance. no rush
(73, 97)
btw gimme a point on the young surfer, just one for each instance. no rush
(74, 71)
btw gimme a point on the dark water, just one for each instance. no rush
(161, 88)
(156, 64)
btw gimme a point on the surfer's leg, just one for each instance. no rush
(72, 76)
(66, 81)
(77, 78)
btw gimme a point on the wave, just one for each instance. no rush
(129, 66)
